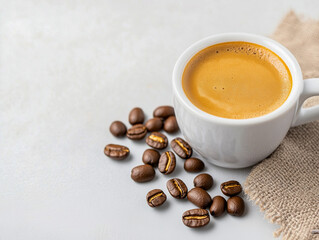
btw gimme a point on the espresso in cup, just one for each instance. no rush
(237, 80)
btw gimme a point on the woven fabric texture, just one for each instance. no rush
(286, 185)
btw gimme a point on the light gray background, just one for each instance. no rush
(68, 69)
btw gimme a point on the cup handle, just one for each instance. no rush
(305, 115)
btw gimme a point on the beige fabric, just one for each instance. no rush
(286, 185)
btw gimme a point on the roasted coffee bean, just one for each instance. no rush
(167, 162)
(136, 132)
(235, 206)
(170, 125)
(194, 165)
(177, 188)
(151, 157)
(155, 198)
(157, 140)
(154, 124)
(164, 112)
(195, 218)
(118, 129)
(218, 206)
(136, 116)
(181, 148)
(204, 181)
(115, 151)
(199, 197)
(143, 173)
(231, 188)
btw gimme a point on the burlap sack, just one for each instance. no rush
(286, 185)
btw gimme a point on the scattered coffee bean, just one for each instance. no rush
(218, 206)
(235, 206)
(231, 188)
(181, 148)
(115, 151)
(136, 132)
(157, 140)
(143, 173)
(199, 197)
(155, 198)
(204, 181)
(154, 124)
(118, 129)
(177, 188)
(194, 165)
(136, 116)
(170, 125)
(151, 157)
(195, 218)
(167, 162)
(164, 112)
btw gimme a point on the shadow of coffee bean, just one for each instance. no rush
(219, 218)
(205, 229)
(156, 177)
(177, 171)
(123, 161)
(163, 208)
(246, 209)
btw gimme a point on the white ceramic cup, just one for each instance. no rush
(238, 143)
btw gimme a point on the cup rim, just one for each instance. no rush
(280, 50)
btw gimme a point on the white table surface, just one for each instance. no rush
(68, 69)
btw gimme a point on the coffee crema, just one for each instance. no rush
(237, 80)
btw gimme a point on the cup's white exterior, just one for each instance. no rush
(235, 143)
(232, 146)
